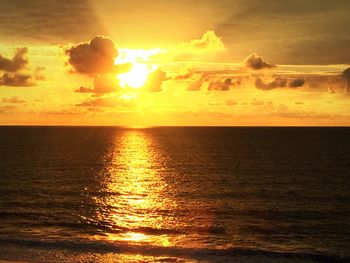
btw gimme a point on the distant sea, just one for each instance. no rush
(203, 194)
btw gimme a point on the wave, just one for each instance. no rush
(241, 254)
(94, 226)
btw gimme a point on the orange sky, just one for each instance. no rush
(174, 64)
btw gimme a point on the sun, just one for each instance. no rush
(137, 76)
(140, 69)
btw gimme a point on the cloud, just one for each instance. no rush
(7, 108)
(99, 102)
(220, 86)
(83, 89)
(230, 102)
(209, 41)
(285, 111)
(257, 102)
(346, 75)
(13, 100)
(103, 84)
(278, 82)
(155, 81)
(189, 74)
(257, 62)
(39, 73)
(296, 83)
(332, 83)
(16, 80)
(18, 62)
(196, 85)
(108, 83)
(321, 34)
(13, 70)
(94, 57)
(109, 102)
(52, 22)
(208, 47)
(220, 80)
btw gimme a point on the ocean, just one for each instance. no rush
(174, 194)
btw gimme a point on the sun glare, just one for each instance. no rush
(140, 69)
(137, 76)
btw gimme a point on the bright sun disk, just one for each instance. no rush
(137, 76)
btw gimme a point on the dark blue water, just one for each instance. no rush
(173, 194)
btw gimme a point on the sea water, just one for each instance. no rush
(176, 194)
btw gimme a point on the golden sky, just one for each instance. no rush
(153, 63)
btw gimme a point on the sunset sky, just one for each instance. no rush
(153, 63)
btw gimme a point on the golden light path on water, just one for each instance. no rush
(138, 192)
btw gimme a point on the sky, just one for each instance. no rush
(153, 63)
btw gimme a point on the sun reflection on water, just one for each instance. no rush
(137, 192)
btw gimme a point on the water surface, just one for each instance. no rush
(200, 194)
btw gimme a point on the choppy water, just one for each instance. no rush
(174, 194)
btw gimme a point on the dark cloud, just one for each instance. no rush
(275, 83)
(289, 31)
(13, 100)
(279, 82)
(296, 83)
(13, 70)
(53, 21)
(217, 81)
(16, 80)
(346, 75)
(257, 62)
(103, 84)
(226, 82)
(83, 89)
(220, 85)
(94, 57)
(317, 50)
(332, 83)
(18, 62)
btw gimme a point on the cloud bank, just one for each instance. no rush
(279, 82)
